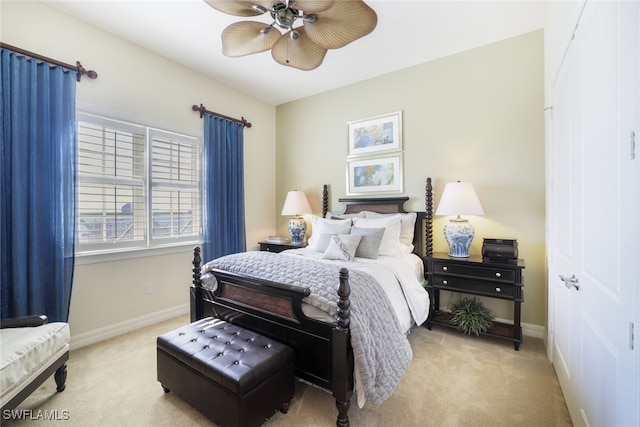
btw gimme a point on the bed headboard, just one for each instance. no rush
(423, 233)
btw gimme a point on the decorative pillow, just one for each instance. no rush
(321, 225)
(390, 245)
(370, 243)
(323, 242)
(407, 227)
(342, 247)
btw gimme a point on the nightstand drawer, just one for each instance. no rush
(477, 287)
(495, 274)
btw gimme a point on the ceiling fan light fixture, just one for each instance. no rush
(311, 18)
(260, 9)
(326, 24)
(284, 15)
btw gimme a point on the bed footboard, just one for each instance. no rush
(323, 350)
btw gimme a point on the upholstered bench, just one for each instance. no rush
(234, 376)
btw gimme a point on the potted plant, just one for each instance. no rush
(471, 316)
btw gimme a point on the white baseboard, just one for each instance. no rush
(116, 329)
(101, 334)
(528, 329)
(534, 331)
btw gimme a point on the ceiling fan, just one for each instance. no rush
(325, 24)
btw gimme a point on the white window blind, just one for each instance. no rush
(137, 187)
(175, 192)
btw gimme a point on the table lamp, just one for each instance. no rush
(459, 198)
(296, 204)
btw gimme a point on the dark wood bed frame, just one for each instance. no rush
(324, 356)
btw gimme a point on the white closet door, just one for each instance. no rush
(594, 218)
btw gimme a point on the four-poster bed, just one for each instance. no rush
(323, 349)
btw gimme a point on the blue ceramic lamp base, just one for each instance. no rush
(297, 229)
(459, 234)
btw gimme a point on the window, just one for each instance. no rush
(138, 187)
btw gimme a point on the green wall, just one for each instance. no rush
(475, 116)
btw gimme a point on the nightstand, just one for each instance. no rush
(473, 276)
(279, 247)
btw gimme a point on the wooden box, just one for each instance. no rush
(494, 249)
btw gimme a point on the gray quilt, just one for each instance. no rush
(382, 352)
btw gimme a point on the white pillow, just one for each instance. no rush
(407, 227)
(342, 247)
(322, 242)
(390, 245)
(321, 225)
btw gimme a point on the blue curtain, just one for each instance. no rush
(38, 193)
(224, 228)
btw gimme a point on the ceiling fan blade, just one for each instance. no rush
(313, 6)
(302, 53)
(240, 7)
(246, 37)
(341, 24)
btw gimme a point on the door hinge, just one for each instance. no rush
(632, 145)
(631, 336)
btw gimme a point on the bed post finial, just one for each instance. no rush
(428, 248)
(325, 200)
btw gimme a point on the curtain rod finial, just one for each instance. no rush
(201, 109)
(82, 71)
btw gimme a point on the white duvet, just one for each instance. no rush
(401, 278)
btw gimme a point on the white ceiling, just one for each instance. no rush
(408, 33)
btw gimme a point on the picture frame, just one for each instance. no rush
(376, 134)
(374, 175)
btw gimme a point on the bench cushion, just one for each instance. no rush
(26, 352)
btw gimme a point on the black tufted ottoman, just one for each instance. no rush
(232, 375)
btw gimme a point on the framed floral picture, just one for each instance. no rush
(376, 134)
(374, 175)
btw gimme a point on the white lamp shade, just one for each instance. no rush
(459, 198)
(296, 203)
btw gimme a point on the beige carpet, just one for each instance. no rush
(454, 380)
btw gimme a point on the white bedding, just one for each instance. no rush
(401, 278)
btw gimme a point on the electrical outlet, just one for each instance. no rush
(147, 288)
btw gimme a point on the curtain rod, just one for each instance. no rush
(78, 68)
(203, 110)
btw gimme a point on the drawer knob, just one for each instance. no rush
(498, 275)
(444, 282)
(445, 268)
(498, 289)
